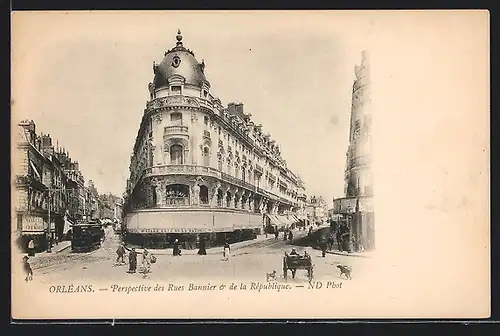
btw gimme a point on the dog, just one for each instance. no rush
(346, 270)
(271, 276)
(27, 270)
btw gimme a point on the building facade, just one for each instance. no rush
(49, 189)
(201, 169)
(357, 205)
(316, 210)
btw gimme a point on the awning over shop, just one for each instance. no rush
(294, 219)
(67, 225)
(275, 221)
(190, 222)
(284, 220)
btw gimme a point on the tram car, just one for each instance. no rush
(86, 237)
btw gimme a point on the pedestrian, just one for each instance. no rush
(132, 261)
(227, 251)
(146, 261)
(31, 248)
(120, 252)
(323, 248)
(290, 236)
(176, 250)
(276, 234)
(27, 269)
(202, 250)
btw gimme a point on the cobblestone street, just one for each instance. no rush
(248, 263)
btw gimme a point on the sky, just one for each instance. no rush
(83, 78)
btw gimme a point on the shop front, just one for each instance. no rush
(33, 227)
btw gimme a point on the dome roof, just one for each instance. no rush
(179, 61)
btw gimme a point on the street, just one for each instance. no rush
(247, 263)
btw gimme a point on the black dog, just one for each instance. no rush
(27, 269)
(346, 270)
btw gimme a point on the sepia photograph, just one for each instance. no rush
(204, 165)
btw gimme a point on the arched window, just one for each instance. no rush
(203, 194)
(206, 156)
(243, 175)
(220, 163)
(176, 156)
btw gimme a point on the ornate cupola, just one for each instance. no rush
(180, 64)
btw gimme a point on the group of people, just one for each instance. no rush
(147, 259)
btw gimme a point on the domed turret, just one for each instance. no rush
(179, 61)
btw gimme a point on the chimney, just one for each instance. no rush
(239, 109)
(231, 107)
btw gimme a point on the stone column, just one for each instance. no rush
(225, 202)
(236, 198)
(244, 200)
(195, 194)
(214, 191)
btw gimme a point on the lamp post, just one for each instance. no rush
(50, 192)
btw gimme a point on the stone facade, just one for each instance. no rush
(357, 205)
(191, 151)
(45, 175)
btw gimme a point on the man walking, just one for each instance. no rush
(120, 251)
(132, 261)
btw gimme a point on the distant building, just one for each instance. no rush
(200, 169)
(316, 210)
(357, 205)
(47, 185)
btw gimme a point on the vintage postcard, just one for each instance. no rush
(306, 164)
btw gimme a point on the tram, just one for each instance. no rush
(86, 236)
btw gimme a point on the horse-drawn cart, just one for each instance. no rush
(293, 262)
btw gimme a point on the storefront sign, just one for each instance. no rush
(179, 230)
(33, 224)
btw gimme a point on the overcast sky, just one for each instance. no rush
(83, 77)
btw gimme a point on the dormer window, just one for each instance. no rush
(176, 90)
(206, 120)
(205, 93)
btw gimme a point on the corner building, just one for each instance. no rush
(202, 170)
(357, 205)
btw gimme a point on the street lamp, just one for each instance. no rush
(49, 230)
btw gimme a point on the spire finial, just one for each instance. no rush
(179, 37)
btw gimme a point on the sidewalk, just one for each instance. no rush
(368, 254)
(212, 250)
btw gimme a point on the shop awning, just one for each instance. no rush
(275, 221)
(285, 220)
(34, 169)
(190, 222)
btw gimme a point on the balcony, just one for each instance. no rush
(236, 181)
(176, 201)
(206, 134)
(176, 129)
(182, 170)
